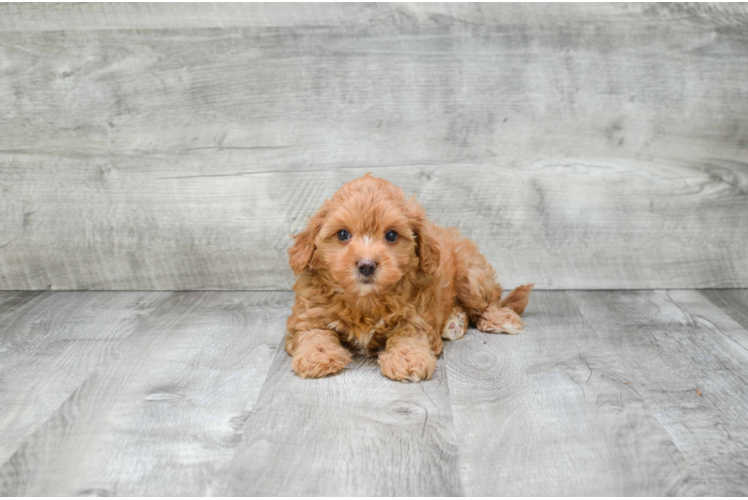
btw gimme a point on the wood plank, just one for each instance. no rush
(729, 306)
(552, 412)
(685, 358)
(585, 143)
(356, 433)
(66, 16)
(597, 397)
(164, 417)
(400, 94)
(14, 303)
(733, 302)
(49, 344)
(574, 225)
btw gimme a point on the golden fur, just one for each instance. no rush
(424, 285)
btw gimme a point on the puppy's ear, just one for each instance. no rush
(301, 252)
(428, 252)
(427, 246)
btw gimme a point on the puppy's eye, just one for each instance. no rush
(390, 236)
(344, 235)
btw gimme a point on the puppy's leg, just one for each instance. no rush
(497, 319)
(480, 294)
(408, 355)
(503, 316)
(456, 325)
(317, 353)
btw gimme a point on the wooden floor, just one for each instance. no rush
(189, 393)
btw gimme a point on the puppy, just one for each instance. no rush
(374, 275)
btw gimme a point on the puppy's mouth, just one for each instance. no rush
(366, 280)
(365, 285)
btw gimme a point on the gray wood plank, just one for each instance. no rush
(55, 17)
(598, 146)
(13, 304)
(356, 433)
(605, 393)
(553, 412)
(573, 225)
(731, 318)
(165, 416)
(49, 344)
(685, 358)
(732, 302)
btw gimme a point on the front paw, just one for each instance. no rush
(319, 359)
(408, 358)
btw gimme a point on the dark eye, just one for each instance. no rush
(390, 236)
(344, 235)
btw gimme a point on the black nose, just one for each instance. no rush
(367, 267)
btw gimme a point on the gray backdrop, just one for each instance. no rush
(172, 146)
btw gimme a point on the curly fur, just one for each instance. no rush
(429, 275)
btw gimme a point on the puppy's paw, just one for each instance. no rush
(408, 358)
(500, 320)
(319, 359)
(457, 324)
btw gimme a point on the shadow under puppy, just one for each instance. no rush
(374, 275)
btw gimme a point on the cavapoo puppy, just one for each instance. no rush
(375, 276)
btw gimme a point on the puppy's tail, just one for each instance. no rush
(517, 298)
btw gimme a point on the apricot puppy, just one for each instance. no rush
(374, 275)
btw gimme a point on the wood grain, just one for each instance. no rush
(571, 225)
(688, 361)
(64, 16)
(553, 412)
(173, 147)
(605, 393)
(732, 302)
(165, 416)
(357, 433)
(49, 344)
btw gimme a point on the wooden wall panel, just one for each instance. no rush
(90, 16)
(176, 146)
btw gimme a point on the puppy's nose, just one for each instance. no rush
(366, 267)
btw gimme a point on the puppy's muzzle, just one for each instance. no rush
(367, 267)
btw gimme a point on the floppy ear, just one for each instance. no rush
(301, 252)
(428, 252)
(427, 247)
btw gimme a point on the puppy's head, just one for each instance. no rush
(367, 237)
